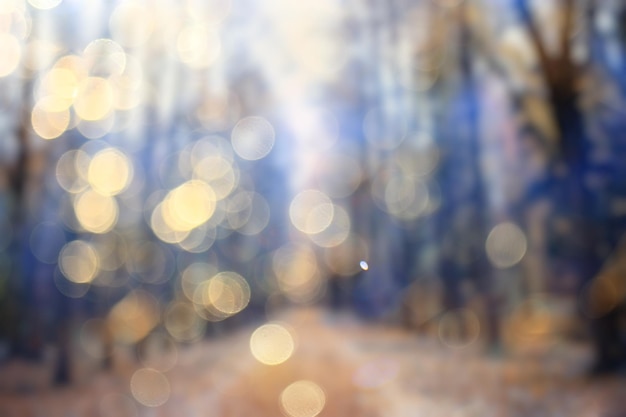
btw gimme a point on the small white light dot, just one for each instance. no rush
(364, 265)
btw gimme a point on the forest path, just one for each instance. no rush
(363, 369)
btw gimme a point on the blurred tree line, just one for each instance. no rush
(463, 116)
(530, 93)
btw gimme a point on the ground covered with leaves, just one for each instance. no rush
(362, 370)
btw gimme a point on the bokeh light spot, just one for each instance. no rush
(49, 124)
(110, 172)
(459, 328)
(253, 138)
(182, 322)
(506, 245)
(337, 231)
(311, 211)
(71, 171)
(298, 273)
(104, 58)
(302, 399)
(272, 344)
(79, 262)
(150, 387)
(95, 212)
(61, 84)
(227, 292)
(94, 100)
(189, 205)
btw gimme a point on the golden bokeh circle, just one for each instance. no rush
(302, 399)
(272, 344)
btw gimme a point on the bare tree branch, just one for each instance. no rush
(535, 36)
(567, 29)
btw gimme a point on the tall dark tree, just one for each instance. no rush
(577, 202)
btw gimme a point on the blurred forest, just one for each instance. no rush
(171, 171)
